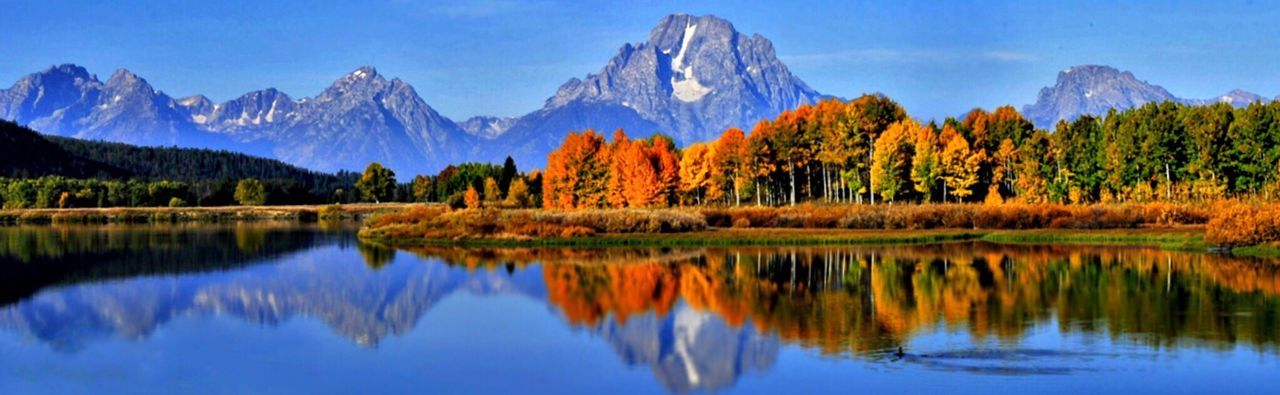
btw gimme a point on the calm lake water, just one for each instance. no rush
(268, 308)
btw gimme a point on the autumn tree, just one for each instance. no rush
(250, 192)
(1034, 168)
(471, 198)
(870, 116)
(892, 164)
(1004, 167)
(959, 166)
(695, 171)
(662, 152)
(518, 194)
(925, 165)
(633, 174)
(761, 160)
(492, 192)
(577, 173)
(728, 160)
(794, 139)
(377, 183)
(422, 188)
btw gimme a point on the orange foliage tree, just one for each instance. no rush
(577, 173)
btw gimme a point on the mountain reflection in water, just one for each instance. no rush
(698, 319)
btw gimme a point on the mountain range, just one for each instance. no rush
(692, 78)
(695, 77)
(1095, 89)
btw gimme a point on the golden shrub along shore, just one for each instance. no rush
(303, 213)
(1222, 225)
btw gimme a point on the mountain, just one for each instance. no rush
(68, 101)
(1094, 89)
(362, 117)
(693, 78)
(1091, 89)
(691, 350)
(1236, 98)
(487, 127)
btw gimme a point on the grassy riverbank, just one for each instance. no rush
(301, 213)
(1174, 238)
(1110, 225)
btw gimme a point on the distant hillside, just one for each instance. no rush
(25, 153)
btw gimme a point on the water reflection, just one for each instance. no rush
(698, 319)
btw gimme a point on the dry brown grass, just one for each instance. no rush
(444, 224)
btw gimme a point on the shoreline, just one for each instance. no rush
(1169, 237)
(144, 215)
(1180, 238)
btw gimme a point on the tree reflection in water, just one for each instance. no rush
(698, 318)
(864, 300)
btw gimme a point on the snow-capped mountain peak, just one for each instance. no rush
(694, 77)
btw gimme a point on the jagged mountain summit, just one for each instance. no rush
(487, 127)
(1091, 89)
(1094, 89)
(362, 117)
(67, 100)
(694, 77)
(1236, 98)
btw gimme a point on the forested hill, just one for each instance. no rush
(27, 154)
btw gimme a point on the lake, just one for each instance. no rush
(286, 308)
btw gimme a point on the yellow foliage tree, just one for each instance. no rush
(492, 194)
(959, 168)
(518, 194)
(890, 166)
(472, 198)
(695, 171)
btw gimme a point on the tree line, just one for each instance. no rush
(869, 150)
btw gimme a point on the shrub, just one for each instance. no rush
(438, 223)
(1235, 224)
(331, 212)
(177, 202)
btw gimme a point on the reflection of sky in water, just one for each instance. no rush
(319, 319)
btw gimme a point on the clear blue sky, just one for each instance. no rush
(505, 57)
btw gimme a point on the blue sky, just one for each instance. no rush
(501, 57)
